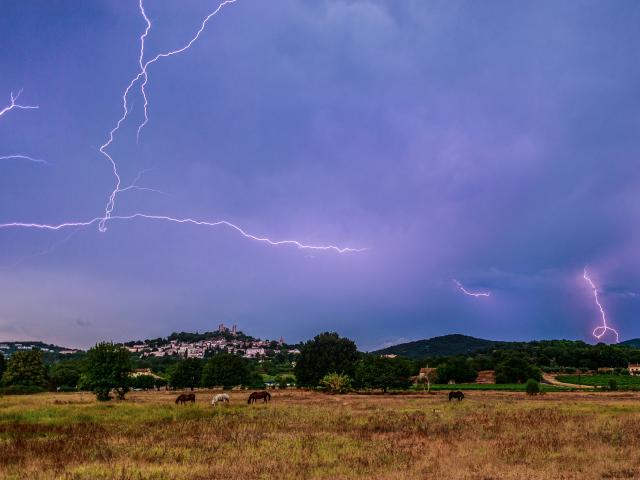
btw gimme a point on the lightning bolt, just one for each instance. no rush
(14, 105)
(134, 185)
(600, 330)
(191, 221)
(20, 156)
(471, 294)
(102, 221)
(143, 73)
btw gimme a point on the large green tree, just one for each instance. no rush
(186, 374)
(326, 353)
(227, 370)
(65, 374)
(374, 371)
(107, 367)
(516, 369)
(25, 368)
(457, 369)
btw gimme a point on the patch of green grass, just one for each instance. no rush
(625, 382)
(503, 387)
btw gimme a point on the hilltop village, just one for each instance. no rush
(201, 345)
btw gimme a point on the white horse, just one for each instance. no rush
(221, 397)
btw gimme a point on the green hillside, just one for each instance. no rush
(454, 344)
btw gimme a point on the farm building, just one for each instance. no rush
(144, 372)
(634, 369)
(486, 377)
(605, 371)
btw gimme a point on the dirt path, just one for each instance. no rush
(551, 379)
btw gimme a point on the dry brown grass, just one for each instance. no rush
(302, 435)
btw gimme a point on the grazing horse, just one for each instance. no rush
(221, 397)
(459, 395)
(265, 396)
(186, 397)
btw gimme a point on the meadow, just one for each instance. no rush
(310, 435)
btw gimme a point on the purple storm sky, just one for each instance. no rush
(497, 143)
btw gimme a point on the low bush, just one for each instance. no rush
(66, 388)
(21, 390)
(533, 387)
(336, 383)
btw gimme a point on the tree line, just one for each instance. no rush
(326, 361)
(108, 369)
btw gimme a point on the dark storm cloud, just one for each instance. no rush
(493, 142)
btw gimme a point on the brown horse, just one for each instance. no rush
(186, 397)
(265, 396)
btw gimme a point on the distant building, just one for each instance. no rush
(605, 370)
(634, 369)
(425, 375)
(254, 352)
(136, 348)
(389, 355)
(144, 372)
(486, 377)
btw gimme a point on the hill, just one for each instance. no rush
(454, 344)
(50, 353)
(633, 343)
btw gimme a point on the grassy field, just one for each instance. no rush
(624, 381)
(307, 435)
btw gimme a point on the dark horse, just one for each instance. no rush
(459, 395)
(266, 396)
(186, 397)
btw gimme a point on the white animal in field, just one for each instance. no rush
(221, 397)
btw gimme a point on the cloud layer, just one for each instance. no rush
(494, 143)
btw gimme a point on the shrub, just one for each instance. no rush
(336, 383)
(21, 390)
(533, 387)
(66, 388)
(613, 385)
(284, 381)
